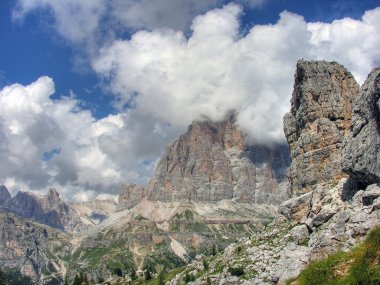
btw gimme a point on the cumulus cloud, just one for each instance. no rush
(47, 142)
(167, 78)
(177, 79)
(74, 20)
(87, 21)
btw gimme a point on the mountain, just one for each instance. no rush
(212, 162)
(325, 214)
(209, 189)
(4, 194)
(51, 210)
(217, 210)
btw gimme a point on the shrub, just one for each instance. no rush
(236, 271)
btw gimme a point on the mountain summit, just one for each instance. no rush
(212, 162)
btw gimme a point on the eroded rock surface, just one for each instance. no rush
(317, 123)
(4, 194)
(129, 196)
(212, 162)
(361, 152)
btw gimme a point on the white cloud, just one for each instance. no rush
(74, 20)
(170, 78)
(179, 79)
(79, 164)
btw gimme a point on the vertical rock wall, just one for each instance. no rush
(317, 123)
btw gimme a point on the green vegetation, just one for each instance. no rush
(205, 264)
(236, 271)
(189, 278)
(13, 276)
(2, 277)
(361, 266)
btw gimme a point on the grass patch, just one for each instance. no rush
(360, 266)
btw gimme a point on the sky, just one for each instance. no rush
(92, 91)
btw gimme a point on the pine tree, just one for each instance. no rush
(2, 277)
(161, 278)
(133, 274)
(148, 276)
(77, 280)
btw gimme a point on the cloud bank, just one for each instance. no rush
(163, 79)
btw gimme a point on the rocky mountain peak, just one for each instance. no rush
(52, 199)
(319, 120)
(212, 162)
(4, 194)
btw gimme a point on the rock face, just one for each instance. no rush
(211, 162)
(129, 196)
(52, 211)
(30, 246)
(4, 194)
(361, 152)
(49, 209)
(318, 122)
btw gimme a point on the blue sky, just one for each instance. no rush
(129, 76)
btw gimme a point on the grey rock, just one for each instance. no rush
(376, 204)
(361, 155)
(292, 261)
(129, 196)
(309, 223)
(317, 123)
(371, 193)
(212, 162)
(30, 247)
(4, 194)
(322, 218)
(50, 210)
(297, 208)
(300, 234)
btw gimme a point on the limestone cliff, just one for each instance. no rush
(361, 152)
(212, 162)
(30, 247)
(318, 122)
(129, 196)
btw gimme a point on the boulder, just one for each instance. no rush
(371, 193)
(300, 234)
(297, 208)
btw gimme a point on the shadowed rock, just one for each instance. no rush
(361, 151)
(4, 194)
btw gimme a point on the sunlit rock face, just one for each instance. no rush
(319, 120)
(212, 162)
(129, 196)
